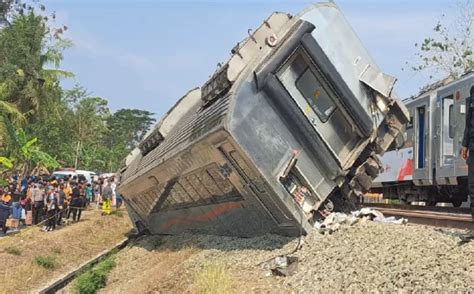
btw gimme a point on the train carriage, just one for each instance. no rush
(293, 120)
(428, 167)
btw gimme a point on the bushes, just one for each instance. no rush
(47, 262)
(95, 278)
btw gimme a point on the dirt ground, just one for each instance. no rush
(366, 257)
(66, 247)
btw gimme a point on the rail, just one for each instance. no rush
(447, 217)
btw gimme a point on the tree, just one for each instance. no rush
(126, 128)
(24, 154)
(449, 51)
(37, 114)
(10, 117)
(25, 52)
(130, 126)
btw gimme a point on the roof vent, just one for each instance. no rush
(151, 142)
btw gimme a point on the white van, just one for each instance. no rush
(79, 174)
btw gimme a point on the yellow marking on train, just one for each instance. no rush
(317, 94)
(307, 109)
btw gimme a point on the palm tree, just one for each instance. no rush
(10, 119)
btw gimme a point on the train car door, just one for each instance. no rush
(421, 137)
(445, 139)
(422, 122)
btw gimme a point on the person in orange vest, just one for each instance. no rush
(6, 197)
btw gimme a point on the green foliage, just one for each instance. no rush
(94, 279)
(449, 50)
(5, 162)
(42, 124)
(47, 262)
(97, 139)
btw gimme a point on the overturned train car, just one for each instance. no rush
(293, 120)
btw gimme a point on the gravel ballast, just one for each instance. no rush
(360, 258)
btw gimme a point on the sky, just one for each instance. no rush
(146, 54)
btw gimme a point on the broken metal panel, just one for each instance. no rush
(378, 81)
(345, 52)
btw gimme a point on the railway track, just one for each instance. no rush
(446, 217)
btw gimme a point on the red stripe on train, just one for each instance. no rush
(406, 170)
(211, 214)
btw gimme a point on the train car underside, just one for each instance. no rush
(407, 193)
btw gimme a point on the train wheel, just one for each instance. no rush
(431, 202)
(404, 201)
(456, 203)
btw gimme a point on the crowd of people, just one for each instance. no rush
(50, 202)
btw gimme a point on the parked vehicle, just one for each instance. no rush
(428, 167)
(79, 174)
(288, 127)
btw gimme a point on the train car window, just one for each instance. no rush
(314, 93)
(451, 122)
(421, 142)
(447, 131)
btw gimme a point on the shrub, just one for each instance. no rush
(213, 278)
(13, 250)
(95, 278)
(47, 262)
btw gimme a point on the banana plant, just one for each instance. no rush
(26, 154)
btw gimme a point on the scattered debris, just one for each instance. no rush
(464, 237)
(468, 237)
(334, 220)
(285, 266)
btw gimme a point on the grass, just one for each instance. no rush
(13, 250)
(117, 213)
(100, 222)
(94, 278)
(213, 279)
(47, 262)
(57, 250)
(93, 240)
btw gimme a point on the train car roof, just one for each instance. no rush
(439, 85)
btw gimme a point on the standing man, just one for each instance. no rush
(467, 150)
(38, 203)
(16, 207)
(75, 203)
(107, 194)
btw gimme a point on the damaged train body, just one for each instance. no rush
(293, 120)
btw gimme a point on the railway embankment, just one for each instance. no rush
(362, 257)
(366, 256)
